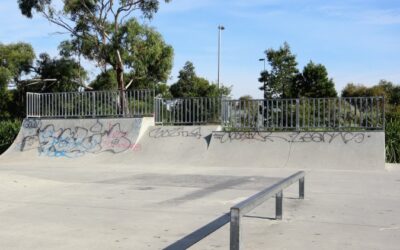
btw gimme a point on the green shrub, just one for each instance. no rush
(8, 131)
(392, 138)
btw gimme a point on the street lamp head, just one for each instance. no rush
(261, 59)
(220, 27)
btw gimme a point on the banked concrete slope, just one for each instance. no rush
(136, 141)
(304, 150)
(173, 145)
(206, 146)
(72, 140)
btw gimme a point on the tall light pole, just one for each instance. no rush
(220, 28)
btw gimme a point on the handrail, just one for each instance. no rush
(238, 211)
(254, 201)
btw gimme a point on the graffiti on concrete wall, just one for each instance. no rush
(75, 141)
(224, 137)
(295, 137)
(163, 132)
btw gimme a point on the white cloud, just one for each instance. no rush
(383, 17)
(363, 14)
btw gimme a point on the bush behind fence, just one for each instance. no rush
(305, 114)
(365, 113)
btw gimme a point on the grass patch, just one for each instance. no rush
(392, 140)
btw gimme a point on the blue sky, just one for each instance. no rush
(357, 40)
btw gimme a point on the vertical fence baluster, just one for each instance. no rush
(282, 114)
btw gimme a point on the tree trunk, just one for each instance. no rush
(121, 84)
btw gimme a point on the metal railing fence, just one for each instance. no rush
(305, 114)
(187, 111)
(90, 104)
(367, 113)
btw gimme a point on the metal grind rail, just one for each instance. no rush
(254, 201)
(241, 209)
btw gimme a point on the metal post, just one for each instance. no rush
(297, 115)
(39, 105)
(383, 113)
(235, 229)
(220, 28)
(278, 205)
(93, 104)
(27, 104)
(155, 111)
(301, 188)
(340, 112)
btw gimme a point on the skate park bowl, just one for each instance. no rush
(185, 173)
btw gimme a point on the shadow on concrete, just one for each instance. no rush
(194, 237)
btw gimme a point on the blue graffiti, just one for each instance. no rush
(77, 141)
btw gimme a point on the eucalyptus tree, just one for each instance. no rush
(16, 61)
(101, 30)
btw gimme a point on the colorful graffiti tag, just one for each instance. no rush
(75, 141)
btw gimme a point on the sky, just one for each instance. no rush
(358, 41)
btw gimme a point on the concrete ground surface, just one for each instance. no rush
(87, 206)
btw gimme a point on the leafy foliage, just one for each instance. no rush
(278, 81)
(147, 58)
(105, 32)
(68, 73)
(163, 90)
(284, 80)
(392, 140)
(246, 98)
(15, 61)
(8, 131)
(313, 82)
(106, 80)
(191, 85)
(384, 88)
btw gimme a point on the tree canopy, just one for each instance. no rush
(313, 82)
(147, 58)
(103, 31)
(277, 82)
(191, 85)
(15, 61)
(284, 80)
(67, 73)
(20, 72)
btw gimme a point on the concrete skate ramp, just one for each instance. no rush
(304, 150)
(73, 139)
(204, 146)
(134, 141)
(173, 145)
